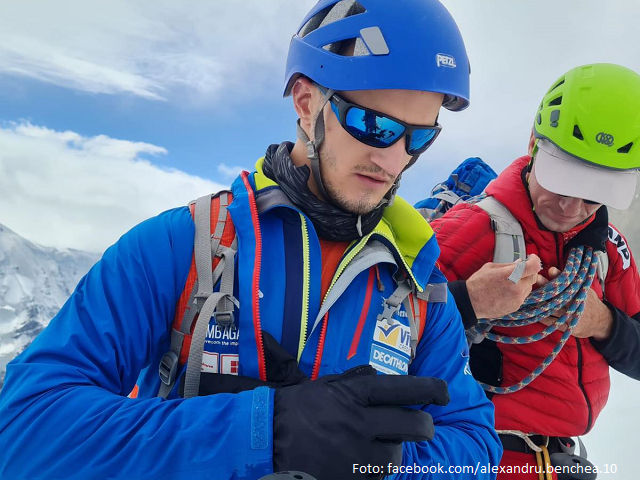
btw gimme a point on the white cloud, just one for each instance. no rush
(119, 46)
(64, 190)
(231, 171)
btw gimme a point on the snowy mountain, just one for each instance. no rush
(35, 282)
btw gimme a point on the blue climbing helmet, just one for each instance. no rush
(399, 44)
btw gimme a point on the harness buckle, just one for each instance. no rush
(168, 368)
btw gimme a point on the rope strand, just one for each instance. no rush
(568, 290)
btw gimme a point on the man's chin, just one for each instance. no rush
(555, 226)
(358, 207)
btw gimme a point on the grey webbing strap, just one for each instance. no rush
(392, 304)
(462, 186)
(216, 238)
(202, 246)
(169, 364)
(428, 213)
(510, 244)
(191, 311)
(224, 315)
(414, 322)
(206, 246)
(434, 293)
(313, 146)
(226, 265)
(194, 362)
(447, 196)
(583, 449)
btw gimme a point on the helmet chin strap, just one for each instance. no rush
(313, 154)
(313, 146)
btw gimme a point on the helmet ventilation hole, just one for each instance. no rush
(577, 133)
(556, 101)
(330, 14)
(626, 148)
(557, 85)
(350, 47)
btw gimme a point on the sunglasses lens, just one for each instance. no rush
(421, 140)
(372, 129)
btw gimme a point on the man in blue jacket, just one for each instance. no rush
(321, 339)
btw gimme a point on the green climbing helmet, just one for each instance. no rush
(593, 113)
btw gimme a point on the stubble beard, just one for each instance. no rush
(361, 206)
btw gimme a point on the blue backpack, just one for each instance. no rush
(468, 180)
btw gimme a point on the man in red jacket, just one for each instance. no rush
(584, 155)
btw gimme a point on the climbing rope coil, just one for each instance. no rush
(568, 290)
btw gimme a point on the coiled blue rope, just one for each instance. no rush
(568, 290)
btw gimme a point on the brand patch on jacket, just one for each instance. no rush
(221, 349)
(396, 336)
(621, 245)
(391, 348)
(388, 361)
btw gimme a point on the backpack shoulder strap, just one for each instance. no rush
(510, 244)
(215, 245)
(416, 305)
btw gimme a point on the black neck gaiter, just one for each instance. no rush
(330, 222)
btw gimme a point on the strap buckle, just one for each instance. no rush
(224, 318)
(168, 368)
(388, 313)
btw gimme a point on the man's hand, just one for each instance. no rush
(493, 295)
(326, 426)
(596, 320)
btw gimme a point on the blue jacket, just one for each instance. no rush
(64, 411)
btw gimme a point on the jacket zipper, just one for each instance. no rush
(341, 268)
(580, 384)
(579, 347)
(558, 252)
(255, 282)
(305, 286)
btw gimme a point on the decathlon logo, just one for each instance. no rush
(388, 361)
(444, 60)
(605, 139)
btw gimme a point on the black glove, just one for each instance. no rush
(282, 371)
(288, 476)
(326, 426)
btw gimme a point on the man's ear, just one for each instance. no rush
(304, 101)
(532, 142)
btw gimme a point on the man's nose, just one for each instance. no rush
(392, 159)
(571, 206)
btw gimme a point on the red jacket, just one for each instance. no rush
(569, 395)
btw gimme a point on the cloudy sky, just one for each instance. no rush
(117, 112)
